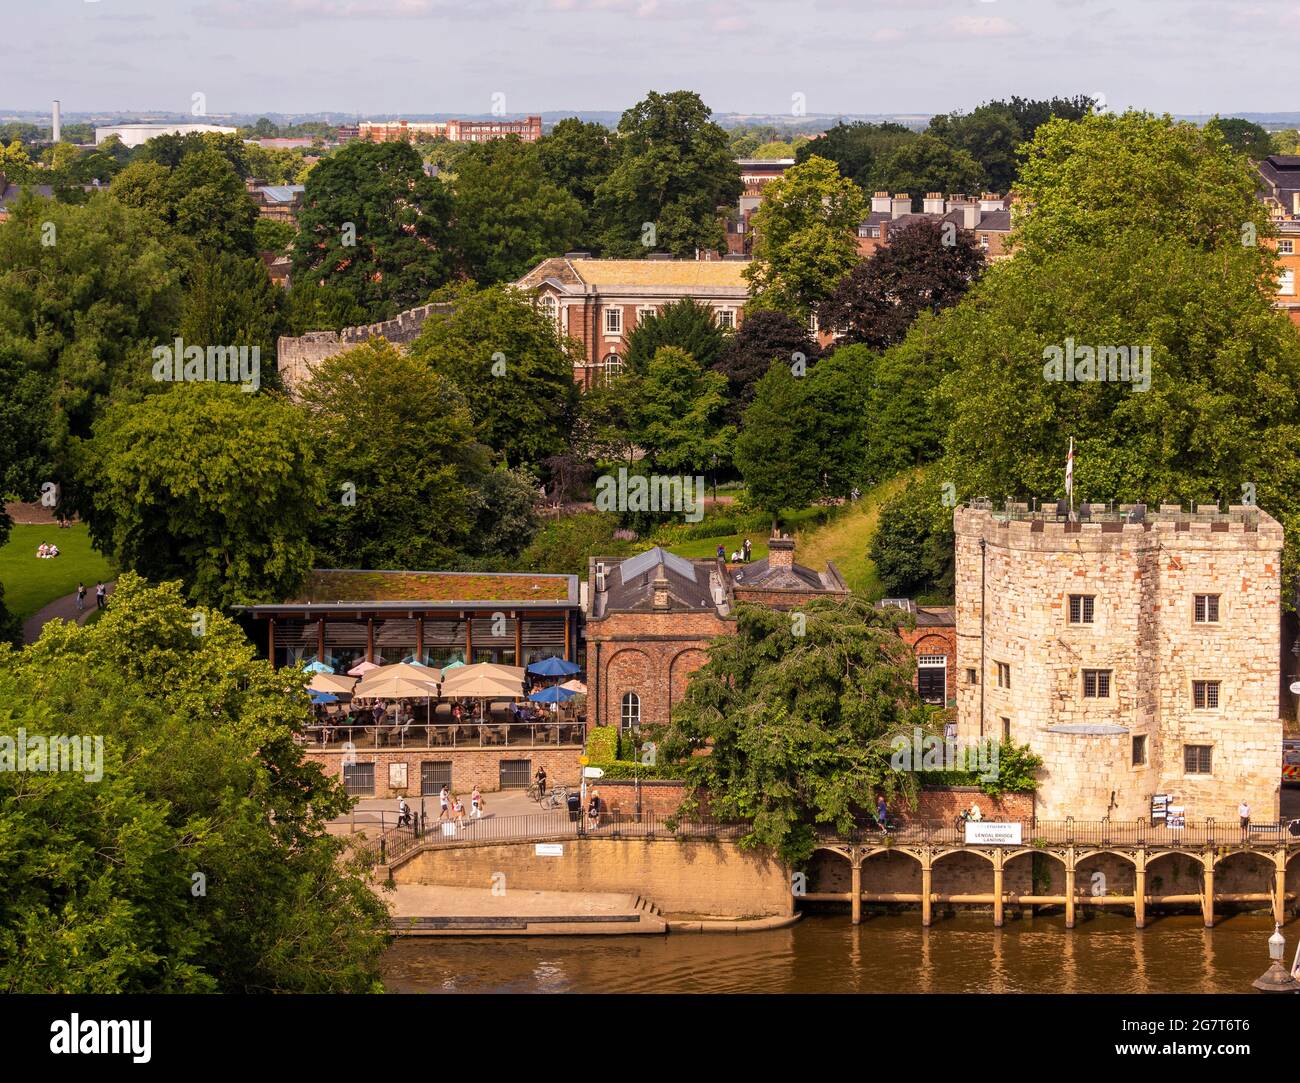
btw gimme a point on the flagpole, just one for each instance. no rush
(1069, 478)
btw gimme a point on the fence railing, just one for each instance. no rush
(435, 735)
(1194, 833)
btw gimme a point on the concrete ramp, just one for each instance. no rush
(435, 910)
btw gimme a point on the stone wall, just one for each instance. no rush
(298, 357)
(1143, 577)
(713, 879)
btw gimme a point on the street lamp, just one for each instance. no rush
(1276, 979)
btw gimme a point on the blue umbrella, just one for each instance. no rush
(324, 697)
(554, 667)
(554, 694)
(318, 667)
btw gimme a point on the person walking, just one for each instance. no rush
(1243, 811)
(882, 812)
(593, 809)
(540, 779)
(746, 549)
(444, 804)
(403, 813)
(476, 804)
(81, 597)
(101, 596)
(458, 811)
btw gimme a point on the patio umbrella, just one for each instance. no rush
(554, 694)
(395, 686)
(361, 669)
(554, 667)
(575, 686)
(332, 683)
(324, 697)
(318, 667)
(452, 665)
(404, 669)
(504, 680)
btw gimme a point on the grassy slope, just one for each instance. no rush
(846, 539)
(698, 548)
(31, 583)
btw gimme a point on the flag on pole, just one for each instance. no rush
(1069, 471)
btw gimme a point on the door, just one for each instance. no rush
(932, 679)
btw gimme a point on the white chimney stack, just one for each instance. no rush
(58, 125)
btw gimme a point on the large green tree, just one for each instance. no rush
(231, 301)
(509, 216)
(988, 134)
(927, 164)
(199, 861)
(763, 339)
(789, 723)
(805, 232)
(1244, 136)
(686, 324)
(206, 484)
(856, 147)
(677, 408)
(373, 224)
(514, 369)
(673, 173)
(577, 156)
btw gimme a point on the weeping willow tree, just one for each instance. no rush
(789, 723)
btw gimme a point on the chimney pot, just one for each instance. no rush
(780, 552)
(661, 601)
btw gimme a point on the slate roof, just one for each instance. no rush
(629, 584)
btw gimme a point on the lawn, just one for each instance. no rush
(701, 548)
(31, 583)
(845, 540)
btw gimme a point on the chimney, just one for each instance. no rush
(933, 203)
(57, 134)
(661, 602)
(990, 201)
(902, 204)
(970, 215)
(780, 552)
(880, 203)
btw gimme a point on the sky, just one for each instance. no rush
(372, 57)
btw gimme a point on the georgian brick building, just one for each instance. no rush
(1280, 191)
(650, 620)
(454, 131)
(988, 218)
(598, 302)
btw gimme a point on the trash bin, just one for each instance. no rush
(575, 807)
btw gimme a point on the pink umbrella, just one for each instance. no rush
(361, 668)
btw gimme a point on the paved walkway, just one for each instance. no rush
(64, 608)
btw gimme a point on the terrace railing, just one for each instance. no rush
(440, 735)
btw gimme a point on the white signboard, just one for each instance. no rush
(1295, 688)
(993, 834)
(593, 772)
(549, 849)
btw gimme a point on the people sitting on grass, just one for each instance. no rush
(46, 552)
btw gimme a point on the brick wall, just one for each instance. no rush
(942, 806)
(933, 640)
(469, 766)
(708, 878)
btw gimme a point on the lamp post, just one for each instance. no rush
(1276, 979)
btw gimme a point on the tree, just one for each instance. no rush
(1030, 114)
(78, 318)
(208, 485)
(855, 148)
(1243, 136)
(273, 235)
(805, 231)
(231, 301)
(906, 430)
(774, 149)
(990, 135)
(171, 150)
(1205, 349)
(777, 450)
(676, 407)
(913, 546)
(374, 224)
(792, 733)
(396, 447)
(564, 543)
(512, 366)
(11, 630)
(577, 156)
(1095, 179)
(926, 164)
(765, 337)
(310, 306)
(673, 172)
(508, 215)
(926, 266)
(686, 324)
(200, 860)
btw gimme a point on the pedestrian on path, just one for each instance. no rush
(403, 813)
(81, 597)
(101, 596)
(1243, 810)
(476, 804)
(444, 804)
(458, 808)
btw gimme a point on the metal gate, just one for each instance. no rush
(434, 775)
(516, 774)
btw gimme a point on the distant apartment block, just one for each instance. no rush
(599, 302)
(455, 131)
(755, 175)
(988, 218)
(1280, 190)
(135, 135)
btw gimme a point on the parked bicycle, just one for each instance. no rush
(556, 798)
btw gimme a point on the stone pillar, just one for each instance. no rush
(1069, 888)
(857, 889)
(1279, 887)
(927, 885)
(1140, 891)
(997, 889)
(1207, 895)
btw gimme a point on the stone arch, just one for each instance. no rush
(890, 869)
(962, 872)
(683, 664)
(628, 669)
(1105, 872)
(829, 869)
(1245, 871)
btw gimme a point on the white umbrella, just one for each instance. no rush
(575, 685)
(361, 669)
(332, 683)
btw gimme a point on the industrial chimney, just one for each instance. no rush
(57, 134)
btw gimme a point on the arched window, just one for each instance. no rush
(612, 366)
(631, 715)
(550, 308)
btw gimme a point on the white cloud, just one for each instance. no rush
(982, 26)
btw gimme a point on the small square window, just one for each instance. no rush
(1207, 609)
(1081, 608)
(972, 676)
(613, 321)
(1205, 695)
(1006, 731)
(1286, 282)
(1197, 759)
(1004, 675)
(1139, 750)
(1096, 684)
(727, 318)
(1286, 248)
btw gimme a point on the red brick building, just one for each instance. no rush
(988, 218)
(755, 175)
(934, 642)
(599, 302)
(454, 131)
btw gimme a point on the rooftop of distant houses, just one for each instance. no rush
(613, 275)
(354, 588)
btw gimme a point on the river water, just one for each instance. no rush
(892, 953)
